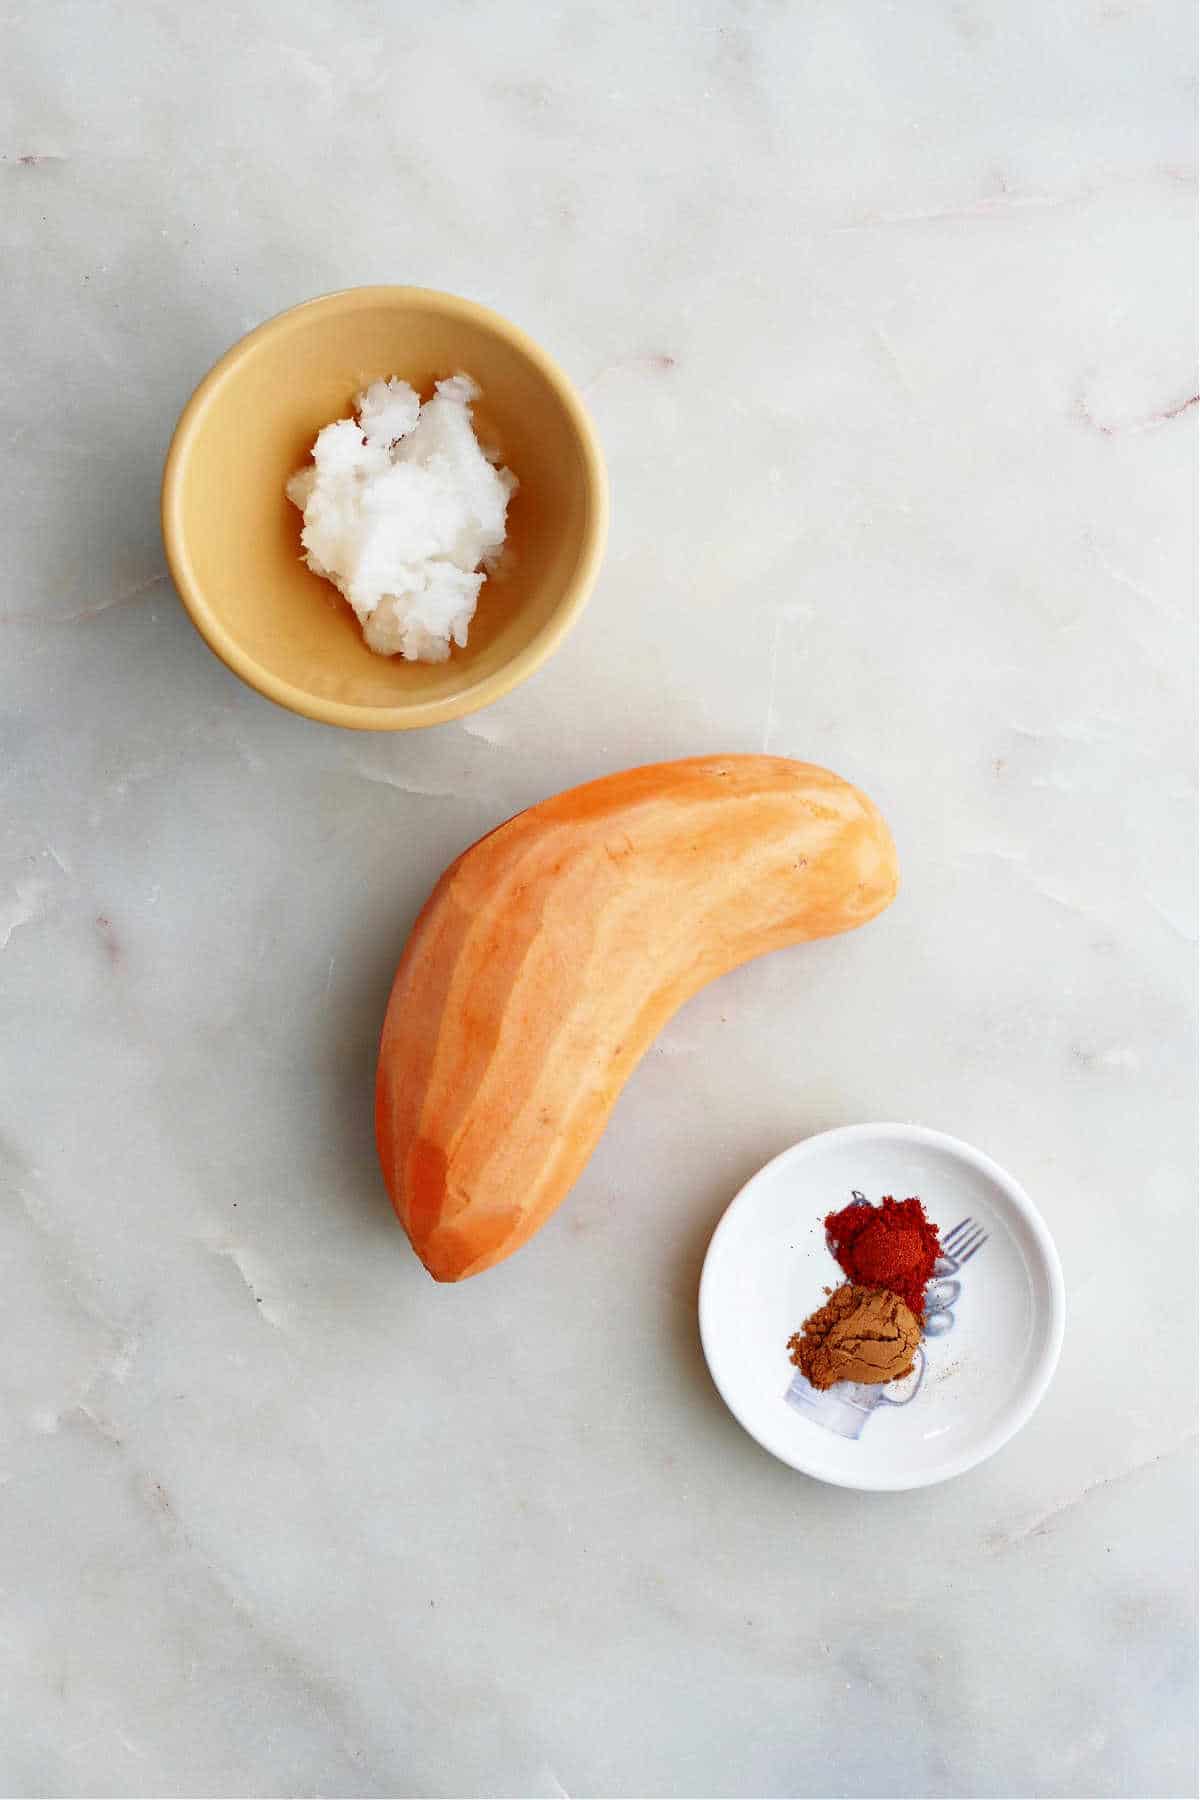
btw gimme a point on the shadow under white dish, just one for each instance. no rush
(980, 1374)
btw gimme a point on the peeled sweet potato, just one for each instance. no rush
(553, 951)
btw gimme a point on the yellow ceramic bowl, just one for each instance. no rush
(233, 539)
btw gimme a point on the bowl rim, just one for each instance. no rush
(487, 688)
(1040, 1376)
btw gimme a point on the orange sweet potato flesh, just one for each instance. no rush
(551, 954)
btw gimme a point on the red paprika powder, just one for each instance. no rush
(892, 1245)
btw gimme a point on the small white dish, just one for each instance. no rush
(991, 1345)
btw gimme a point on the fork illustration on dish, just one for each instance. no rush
(959, 1245)
(846, 1407)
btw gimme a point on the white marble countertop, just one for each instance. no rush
(885, 313)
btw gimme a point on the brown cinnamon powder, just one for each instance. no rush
(860, 1334)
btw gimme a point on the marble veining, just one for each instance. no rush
(886, 317)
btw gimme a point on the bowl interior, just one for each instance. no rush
(990, 1348)
(234, 538)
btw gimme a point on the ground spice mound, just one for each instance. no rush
(860, 1334)
(892, 1245)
